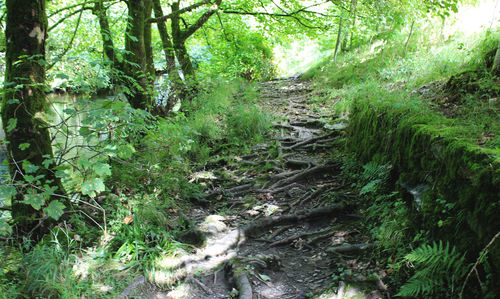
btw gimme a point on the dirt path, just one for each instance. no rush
(284, 225)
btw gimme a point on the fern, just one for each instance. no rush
(439, 268)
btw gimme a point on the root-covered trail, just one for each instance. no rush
(280, 222)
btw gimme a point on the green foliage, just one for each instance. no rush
(247, 124)
(439, 270)
(239, 53)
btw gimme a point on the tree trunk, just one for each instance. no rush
(179, 43)
(24, 97)
(408, 39)
(107, 40)
(135, 64)
(354, 11)
(495, 70)
(177, 87)
(148, 8)
(339, 39)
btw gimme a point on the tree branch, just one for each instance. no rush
(70, 44)
(202, 20)
(180, 11)
(276, 15)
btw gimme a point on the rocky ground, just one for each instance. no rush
(279, 223)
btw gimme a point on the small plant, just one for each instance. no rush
(439, 269)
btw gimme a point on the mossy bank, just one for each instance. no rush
(462, 201)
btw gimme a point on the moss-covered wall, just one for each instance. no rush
(463, 203)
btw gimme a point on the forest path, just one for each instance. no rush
(280, 222)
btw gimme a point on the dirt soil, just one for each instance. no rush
(280, 222)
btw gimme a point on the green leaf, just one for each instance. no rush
(34, 199)
(55, 209)
(126, 151)
(85, 131)
(47, 162)
(13, 101)
(62, 76)
(7, 192)
(93, 186)
(5, 228)
(30, 168)
(24, 146)
(83, 162)
(264, 277)
(11, 124)
(29, 178)
(102, 169)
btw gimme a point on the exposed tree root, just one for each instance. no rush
(290, 163)
(310, 140)
(223, 246)
(239, 271)
(308, 173)
(310, 196)
(299, 236)
(279, 231)
(314, 214)
(350, 248)
(190, 278)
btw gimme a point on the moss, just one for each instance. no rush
(464, 202)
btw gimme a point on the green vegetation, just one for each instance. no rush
(428, 108)
(97, 184)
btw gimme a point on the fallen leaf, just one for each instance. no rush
(128, 219)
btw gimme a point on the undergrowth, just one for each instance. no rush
(419, 118)
(131, 182)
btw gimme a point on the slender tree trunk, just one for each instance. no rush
(148, 8)
(441, 29)
(495, 70)
(177, 87)
(107, 40)
(27, 135)
(179, 43)
(408, 39)
(135, 64)
(354, 10)
(339, 39)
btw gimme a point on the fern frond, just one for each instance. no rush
(438, 267)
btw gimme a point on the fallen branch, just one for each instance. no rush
(474, 267)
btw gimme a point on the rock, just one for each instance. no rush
(213, 224)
